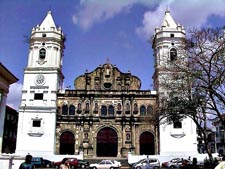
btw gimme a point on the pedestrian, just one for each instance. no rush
(148, 163)
(65, 164)
(27, 164)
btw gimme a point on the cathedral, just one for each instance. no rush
(107, 114)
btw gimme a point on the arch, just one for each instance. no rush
(72, 110)
(111, 110)
(173, 54)
(107, 142)
(103, 110)
(64, 109)
(42, 53)
(149, 110)
(142, 110)
(147, 145)
(67, 142)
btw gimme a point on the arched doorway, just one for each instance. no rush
(107, 143)
(67, 142)
(146, 142)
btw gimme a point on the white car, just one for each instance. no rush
(106, 164)
(151, 163)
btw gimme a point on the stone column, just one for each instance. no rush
(3, 96)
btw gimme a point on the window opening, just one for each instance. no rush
(149, 110)
(38, 96)
(65, 110)
(72, 110)
(142, 110)
(173, 54)
(42, 53)
(103, 111)
(36, 123)
(177, 124)
(111, 110)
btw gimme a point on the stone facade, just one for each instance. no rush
(107, 101)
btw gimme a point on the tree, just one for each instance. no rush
(207, 65)
(197, 81)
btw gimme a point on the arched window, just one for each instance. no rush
(42, 53)
(103, 111)
(64, 110)
(111, 110)
(149, 110)
(142, 110)
(173, 54)
(72, 110)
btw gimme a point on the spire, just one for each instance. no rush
(168, 20)
(48, 23)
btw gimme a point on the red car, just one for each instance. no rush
(72, 161)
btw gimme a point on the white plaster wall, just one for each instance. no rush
(43, 144)
(186, 144)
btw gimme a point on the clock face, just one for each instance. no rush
(40, 80)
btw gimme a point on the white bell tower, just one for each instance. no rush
(43, 78)
(180, 137)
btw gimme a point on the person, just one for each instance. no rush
(65, 164)
(148, 163)
(27, 164)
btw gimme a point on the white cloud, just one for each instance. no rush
(190, 14)
(95, 11)
(14, 95)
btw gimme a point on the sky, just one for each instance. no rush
(96, 31)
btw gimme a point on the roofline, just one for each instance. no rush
(8, 75)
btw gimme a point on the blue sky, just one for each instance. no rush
(119, 30)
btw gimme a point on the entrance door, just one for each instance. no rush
(146, 142)
(107, 143)
(67, 142)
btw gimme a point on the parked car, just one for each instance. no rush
(47, 163)
(37, 162)
(83, 164)
(176, 163)
(147, 162)
(109, 164)
(73, 162)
